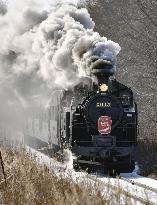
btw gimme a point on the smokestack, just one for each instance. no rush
(103, 70)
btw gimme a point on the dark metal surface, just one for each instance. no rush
(115, 150)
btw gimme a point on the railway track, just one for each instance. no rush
(130, 189)
(139, 184)
(149, 194)
(132, 196)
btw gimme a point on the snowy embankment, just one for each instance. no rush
(138, 189)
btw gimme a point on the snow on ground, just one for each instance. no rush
(107, 186)
(102, 183)
(133, 189)
(140, 179)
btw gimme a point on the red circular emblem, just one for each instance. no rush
(104, 125)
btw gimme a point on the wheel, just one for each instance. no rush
(76, 166)
(112, 172)
(126, 168)
(81, 167)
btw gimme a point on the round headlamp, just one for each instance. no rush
(103, 87)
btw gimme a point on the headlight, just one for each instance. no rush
(103, 88)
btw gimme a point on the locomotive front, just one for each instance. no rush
(104, 125)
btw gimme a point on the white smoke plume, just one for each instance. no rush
(44, 46)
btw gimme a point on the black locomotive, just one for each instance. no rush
(101, 124)
(97, 121)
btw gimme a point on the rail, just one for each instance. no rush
(139, 184)
(127, 193)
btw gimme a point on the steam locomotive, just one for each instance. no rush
(96, 121)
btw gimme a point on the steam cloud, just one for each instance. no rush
(44, 46)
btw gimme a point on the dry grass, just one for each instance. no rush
(147, 157)
(33, 184)
(37, 185)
